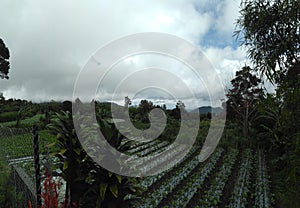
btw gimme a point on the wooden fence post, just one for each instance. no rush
(35, 137)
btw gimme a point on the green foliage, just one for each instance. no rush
(113, 187)
(245, 86)
(17, 146)
(270, 31)
(26, 122)
(8, 116)
(87, 181)
(243, 98)
(144, 109)
(140, 125)
(268, 123)
(171, 130)
(4, 63)
(70, 154)
(278, 130)
(7, 195)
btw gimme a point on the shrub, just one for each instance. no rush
(8, 116)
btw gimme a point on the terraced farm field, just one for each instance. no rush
(228, 178)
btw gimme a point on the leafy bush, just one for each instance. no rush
(7, 195)
(8, 116)
(27, 122)
(86, 181)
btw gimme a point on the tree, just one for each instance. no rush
(270, 30)
(144, 109)
(180, 109)
(127, 102)
(67, 106)
(4, 63)
(2, 98)
(243, 97)
(279, 133)
(180, 105)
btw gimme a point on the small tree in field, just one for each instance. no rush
(243, 97)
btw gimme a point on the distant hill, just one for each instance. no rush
(107, 103)
(207, 109)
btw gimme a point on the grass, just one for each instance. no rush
(15, 144)
(25, 122)
(7, 194)
(20, 145)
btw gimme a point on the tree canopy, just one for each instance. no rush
(4, 63)
(270, 29)
(243, 97)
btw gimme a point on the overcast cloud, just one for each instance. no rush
(51, 41)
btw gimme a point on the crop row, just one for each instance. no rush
(148, 181)
(137, 147)
(152, 199)
(153, 149)
(261, 186)
(165, 160)
(211, 197)
(182, 197)
(242, 184)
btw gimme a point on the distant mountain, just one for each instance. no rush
(207, 109)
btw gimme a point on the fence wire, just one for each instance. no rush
(16, 151)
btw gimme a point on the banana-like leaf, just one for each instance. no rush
(119, 178)
(103, 187)
(114, 190)
(65, 165)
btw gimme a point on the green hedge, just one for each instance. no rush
(8, 116)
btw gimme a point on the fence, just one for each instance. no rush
(17, 156)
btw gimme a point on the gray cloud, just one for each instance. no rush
(51, 41)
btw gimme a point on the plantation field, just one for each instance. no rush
(28, 122)
(229, 178)
(17, 143)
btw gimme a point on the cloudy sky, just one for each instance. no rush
(50, 42)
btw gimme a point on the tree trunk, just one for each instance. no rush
(246, 122)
